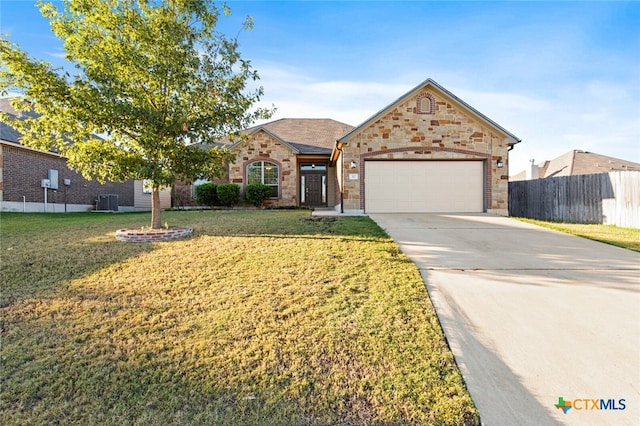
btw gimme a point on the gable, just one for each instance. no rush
(261, 142)
(425, 99)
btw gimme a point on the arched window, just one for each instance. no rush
(264, 172)
(425, 104)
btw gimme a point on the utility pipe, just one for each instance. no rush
(341, 177)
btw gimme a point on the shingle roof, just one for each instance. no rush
(306, 135)
(578, 162)
(8, 133)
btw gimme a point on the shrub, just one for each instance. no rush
(257, 193)
(206, 194)
(228, 194)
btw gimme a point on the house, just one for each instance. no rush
(575, 162)
(33, 180)
(428, 151)
(293, 157)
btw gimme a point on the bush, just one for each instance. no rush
(257, 193)
(206, 194)
(229, 194)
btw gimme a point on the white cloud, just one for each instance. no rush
(295, 94)
(597, 116)
(59, 55)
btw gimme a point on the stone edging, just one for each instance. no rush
(151, 235)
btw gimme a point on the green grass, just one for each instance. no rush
(264, 317)
(628, 238)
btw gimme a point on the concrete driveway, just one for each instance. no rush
(531, 315)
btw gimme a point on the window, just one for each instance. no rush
(425, 104)
(147, 186)
(266, 173)
(313, 167)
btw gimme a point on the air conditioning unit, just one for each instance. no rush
(107, 202)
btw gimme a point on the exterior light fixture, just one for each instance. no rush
(500, 163)
(353, 164)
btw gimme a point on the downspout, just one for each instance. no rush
(341, 178)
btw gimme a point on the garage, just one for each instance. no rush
(424, 186)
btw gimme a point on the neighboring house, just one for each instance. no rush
(428, 151)
(575, 162)
(23, 169)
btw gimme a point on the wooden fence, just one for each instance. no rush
(610, 198)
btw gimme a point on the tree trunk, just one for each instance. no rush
(156, 223)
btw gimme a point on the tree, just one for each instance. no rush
(155, 77)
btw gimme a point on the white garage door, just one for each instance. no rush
(424, 186)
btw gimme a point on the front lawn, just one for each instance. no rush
(264, 317)
(628, 238)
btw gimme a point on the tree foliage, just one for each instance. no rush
(155, 77)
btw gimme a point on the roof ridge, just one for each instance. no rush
(573, 162)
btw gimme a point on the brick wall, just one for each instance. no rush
(434, 130)
(23, 169)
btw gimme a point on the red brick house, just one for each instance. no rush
(23, 169)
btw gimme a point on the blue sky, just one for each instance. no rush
(559, 75)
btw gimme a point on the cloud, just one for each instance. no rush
(59, 55)
(296, 94)
(598, 115)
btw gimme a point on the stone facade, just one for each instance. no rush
(428, 124)
(261, 146)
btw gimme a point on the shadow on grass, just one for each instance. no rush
(41, 253)
(105, 351)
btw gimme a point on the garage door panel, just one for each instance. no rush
(424, 186)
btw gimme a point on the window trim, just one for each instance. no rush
(264, 160)
(432, 103)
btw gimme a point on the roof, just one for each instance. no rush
(578, 162)
(7, 132)
(429, 82)
(304, 135)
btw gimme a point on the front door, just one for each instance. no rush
(313, 186)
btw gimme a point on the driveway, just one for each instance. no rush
(531, 315)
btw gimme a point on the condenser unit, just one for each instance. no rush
(107, 202)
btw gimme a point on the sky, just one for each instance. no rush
(558, 75)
